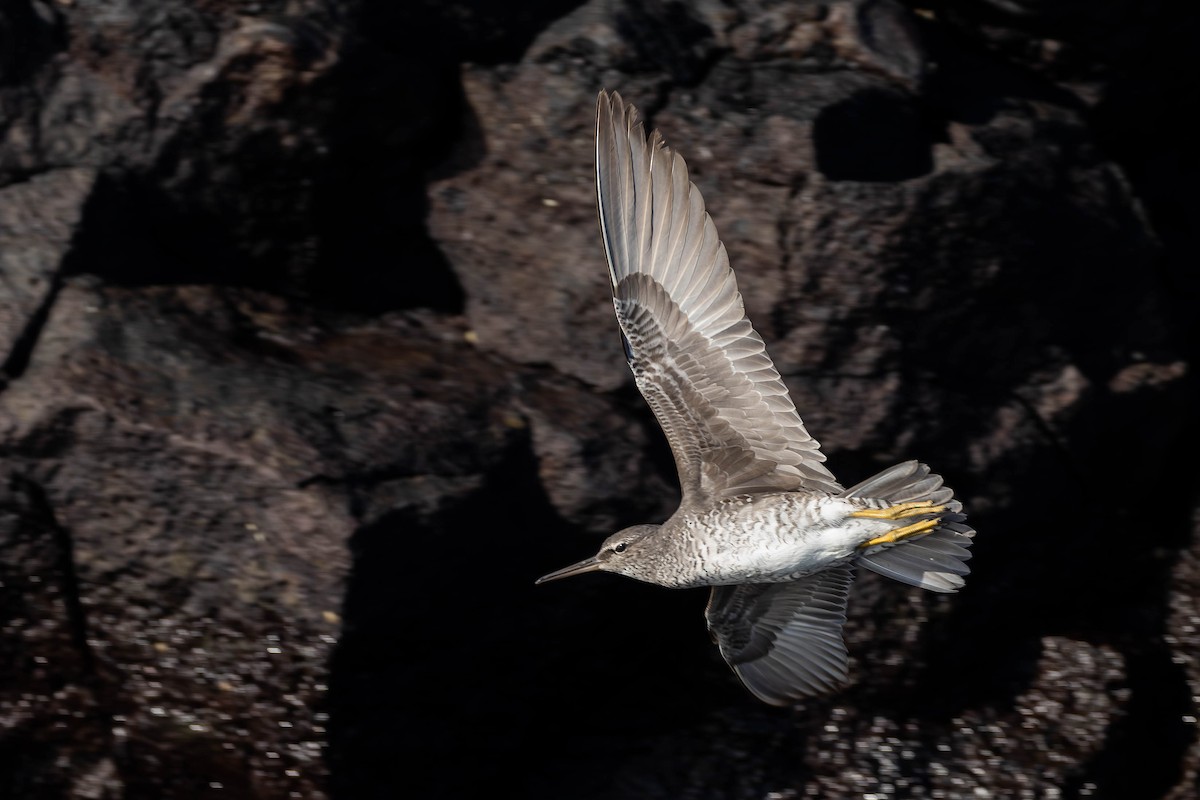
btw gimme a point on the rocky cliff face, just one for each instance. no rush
(309, 369)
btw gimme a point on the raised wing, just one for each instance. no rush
(784, 640)
(700, 365)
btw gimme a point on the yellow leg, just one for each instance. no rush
(900, 511)
(893, 536)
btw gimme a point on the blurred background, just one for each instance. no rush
(309, 369)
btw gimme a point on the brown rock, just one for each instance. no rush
(38, 217)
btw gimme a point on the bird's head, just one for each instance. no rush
(624, 552)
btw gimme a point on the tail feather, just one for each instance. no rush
(935, 561)
(905, 483)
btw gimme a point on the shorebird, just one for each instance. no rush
(761, 519)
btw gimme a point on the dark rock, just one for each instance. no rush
(311, 369)
(38, 218)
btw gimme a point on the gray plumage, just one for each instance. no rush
(761, 519)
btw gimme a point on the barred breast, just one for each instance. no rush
(764, 538)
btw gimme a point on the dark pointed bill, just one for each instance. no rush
(589, 565)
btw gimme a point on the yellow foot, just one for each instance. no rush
(893, 536)
(900, 511)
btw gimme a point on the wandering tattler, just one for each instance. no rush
(761, 521)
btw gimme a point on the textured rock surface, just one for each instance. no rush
(309, 369)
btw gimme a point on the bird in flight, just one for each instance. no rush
(761, 520)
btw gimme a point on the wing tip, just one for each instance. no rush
(611, 106)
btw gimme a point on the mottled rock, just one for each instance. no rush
(194, 513)
(1183, 639)
(38, 218)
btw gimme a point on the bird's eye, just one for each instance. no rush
(620, 548)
